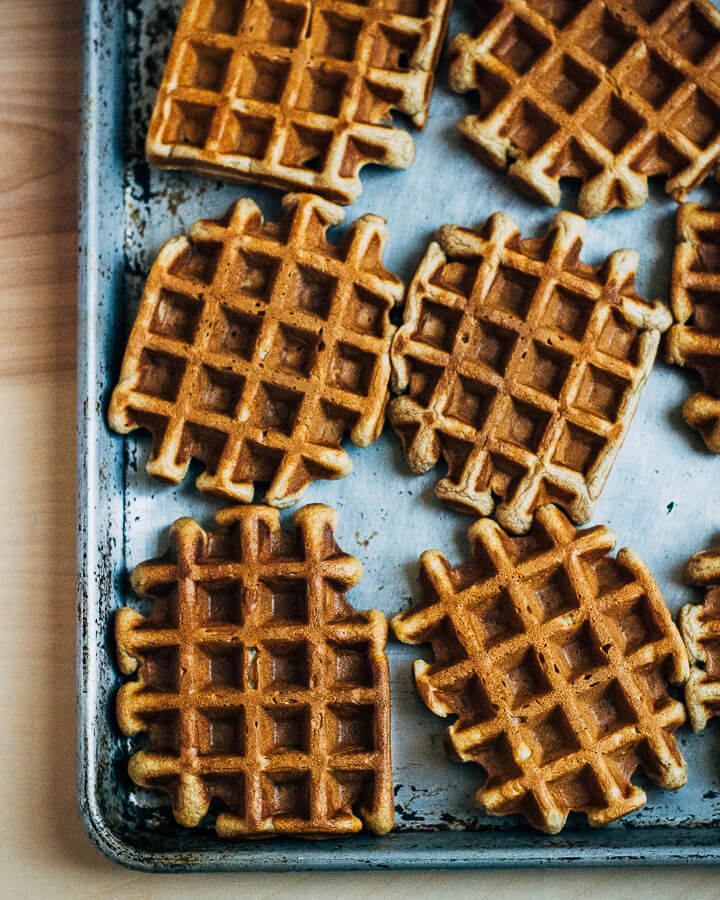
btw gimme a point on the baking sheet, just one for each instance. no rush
(661, 497)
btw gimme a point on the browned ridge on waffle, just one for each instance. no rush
(695, 297)
(523, 367)
(296, 93)
(700, 628)
(258, 346)
(608, 91)
(258, 685)
(555, 658)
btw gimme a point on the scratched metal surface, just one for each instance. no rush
(661, 498)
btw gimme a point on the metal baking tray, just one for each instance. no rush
(661, 498)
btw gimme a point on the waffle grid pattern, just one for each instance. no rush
(607, 91)
(700, 628)
(296, 93)
(258, 684)
(555, 659)
(523, 367)
(695, 297)
(257, 347)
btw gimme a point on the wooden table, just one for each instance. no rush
(43, 851)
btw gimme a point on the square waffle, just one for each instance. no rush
(258, 685)
(700, 628)
(256, 347)
(555, 658)
(296, 93)
(608, 91)
(695, 297)
(523, 367)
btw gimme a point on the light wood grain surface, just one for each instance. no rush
(43, 850)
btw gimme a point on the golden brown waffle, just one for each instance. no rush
(296, 94)
(258, 684)
(523, 367)
(608, 91)
(256, 347)
(695, 296)
(555, 658)
(700, 628)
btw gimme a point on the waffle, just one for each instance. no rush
(257, 347)
(258, 685)
(523, 367)
(700, 628)
(296, 94)
(555, 658)
(607, 91)
(695, 295)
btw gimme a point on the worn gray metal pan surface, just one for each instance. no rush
(662, 497)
